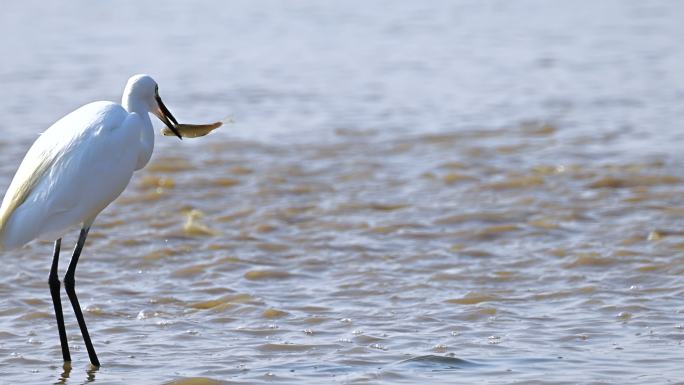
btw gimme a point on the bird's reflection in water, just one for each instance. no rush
(64, 377)
(91, 374)
(65, 374)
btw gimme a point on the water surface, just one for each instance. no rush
(452, 192)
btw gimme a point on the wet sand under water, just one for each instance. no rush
(426, 258)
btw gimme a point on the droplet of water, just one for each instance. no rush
(624, 316)
(145, 314)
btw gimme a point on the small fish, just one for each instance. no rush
(192, 130)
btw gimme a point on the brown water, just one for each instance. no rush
(471, 192)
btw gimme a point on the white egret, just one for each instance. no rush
(72, 172)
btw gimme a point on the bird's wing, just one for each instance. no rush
(56, 144)
(31, 170)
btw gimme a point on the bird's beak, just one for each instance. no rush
(165, 116)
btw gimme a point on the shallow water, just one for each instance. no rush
(470, 192)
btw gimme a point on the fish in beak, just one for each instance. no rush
(165, 116)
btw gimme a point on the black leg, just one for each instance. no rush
(57, 302)
(70, 285)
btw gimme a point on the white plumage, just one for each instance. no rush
(90, 156)
(72, 172)
(79, 165)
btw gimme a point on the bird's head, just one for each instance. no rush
(146, 90)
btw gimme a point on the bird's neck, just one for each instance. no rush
(147, 133)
